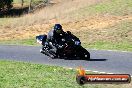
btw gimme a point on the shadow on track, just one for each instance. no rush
(85, 59)
(97, 60)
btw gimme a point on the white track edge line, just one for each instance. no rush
(111, 50)
(96, 71)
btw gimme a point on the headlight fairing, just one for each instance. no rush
(77, 43)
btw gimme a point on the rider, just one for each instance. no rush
(54, 36)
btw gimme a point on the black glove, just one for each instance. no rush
(60, 46)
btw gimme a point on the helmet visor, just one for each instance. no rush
(58, 31)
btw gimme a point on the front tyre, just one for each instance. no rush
(86, 56)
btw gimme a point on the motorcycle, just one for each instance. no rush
(68, 47)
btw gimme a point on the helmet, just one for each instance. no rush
(58, 28)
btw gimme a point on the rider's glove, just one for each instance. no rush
(60, 46)
(46, 43)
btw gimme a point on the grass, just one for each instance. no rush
(110, 7)
(26, 75)
(117, 37)
(101, 45)
(20, 42)
(3, 21)
(19, 1)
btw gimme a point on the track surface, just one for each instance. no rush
(101, 60)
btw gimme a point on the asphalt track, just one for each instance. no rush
(101, 60)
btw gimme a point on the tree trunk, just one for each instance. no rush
(30, 3)
(22, 1)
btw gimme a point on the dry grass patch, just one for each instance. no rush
(30, 25)
(58, 11)
(97, 22)
(89, 24)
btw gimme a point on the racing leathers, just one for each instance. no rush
(54, 40)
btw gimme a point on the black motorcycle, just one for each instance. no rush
(68, 47)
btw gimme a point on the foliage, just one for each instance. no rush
(5, 4)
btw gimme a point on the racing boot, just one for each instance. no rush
(53, 54)
(41, 51)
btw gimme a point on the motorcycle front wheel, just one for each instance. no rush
(83, 53)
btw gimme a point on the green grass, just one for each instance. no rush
(111, 7)
(103, 45)
(118, 37)
(20, 42)
(19, 1)
(114, 7)
(26, 75)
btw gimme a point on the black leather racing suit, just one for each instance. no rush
(54, 39)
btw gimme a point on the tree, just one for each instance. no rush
(30, 5)
(5, 4)
(47, 1)
(22, 2)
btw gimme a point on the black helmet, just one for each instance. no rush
(58, 28)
